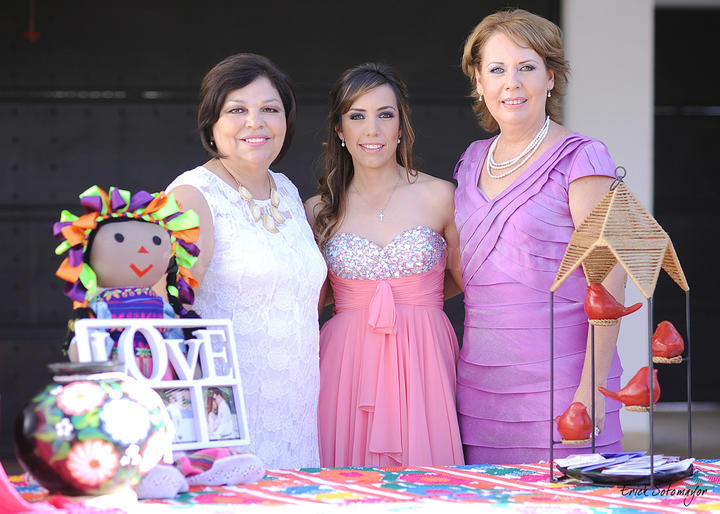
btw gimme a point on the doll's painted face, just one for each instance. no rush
(130, 254)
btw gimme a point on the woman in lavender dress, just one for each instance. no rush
(520, 195)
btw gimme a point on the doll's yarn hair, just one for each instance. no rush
(76, 232)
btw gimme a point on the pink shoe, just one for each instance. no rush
(242, 468)
(161, 482)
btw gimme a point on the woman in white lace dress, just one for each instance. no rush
(259, 265)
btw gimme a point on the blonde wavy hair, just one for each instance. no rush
(525, 29)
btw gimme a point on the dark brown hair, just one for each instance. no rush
(525, 29)
(235, 72)
(339, 170)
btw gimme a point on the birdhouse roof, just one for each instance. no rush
(620, 229)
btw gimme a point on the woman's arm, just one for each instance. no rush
(312, 206)
(584, 195)
(453, 276)
(190, 197)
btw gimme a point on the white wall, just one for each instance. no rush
(610, 47)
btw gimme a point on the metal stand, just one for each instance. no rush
(553, 442)
(552, 384)
(689, 372)
(592, 382)
(651, 375)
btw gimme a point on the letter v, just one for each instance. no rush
(184, 366)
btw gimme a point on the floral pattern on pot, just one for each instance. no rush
(93, 436)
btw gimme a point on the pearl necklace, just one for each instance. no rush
(271, 217)
(521, 159)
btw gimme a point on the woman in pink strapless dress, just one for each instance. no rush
(388, 355)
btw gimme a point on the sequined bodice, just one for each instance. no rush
(413, 251)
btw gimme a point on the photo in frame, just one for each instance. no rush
(221, 413)
(206, 400)
(178, 402)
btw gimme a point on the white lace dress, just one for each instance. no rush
(268, 285)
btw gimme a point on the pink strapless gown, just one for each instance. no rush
(388, 355)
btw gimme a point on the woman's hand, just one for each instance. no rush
(583, 395)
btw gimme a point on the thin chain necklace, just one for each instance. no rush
(270, 216)
(521, 159)
(381, 211)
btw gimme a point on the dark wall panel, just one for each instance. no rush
(687, 186)
(171, 43)
(57, 147)
(687, 191)
(108, 92)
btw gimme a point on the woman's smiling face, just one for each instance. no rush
(371, 128)
(250, 130)
(513, 81)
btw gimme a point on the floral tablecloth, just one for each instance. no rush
(511, 488)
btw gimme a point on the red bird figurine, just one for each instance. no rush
(604, 310)
(575, 425)
(667, 344)
(636, 394)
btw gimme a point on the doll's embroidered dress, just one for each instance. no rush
(134, 303)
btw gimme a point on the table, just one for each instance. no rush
(476, 488)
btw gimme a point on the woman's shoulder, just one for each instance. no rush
(477, 147)
(433, 194)
(575, 141)
(285, 184)
(474, 152)
(196, 189)
(281, 178)
(585, 155)
(433, 185)
(198, 177)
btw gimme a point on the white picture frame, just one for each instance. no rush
(206, 367)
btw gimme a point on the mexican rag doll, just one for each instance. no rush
(117, 251)
(122, 246)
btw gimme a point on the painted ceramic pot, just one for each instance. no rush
(93, 431)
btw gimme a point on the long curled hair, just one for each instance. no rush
(339, 171)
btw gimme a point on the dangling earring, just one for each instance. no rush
(549, 95)
(342, 143)
(479, 98)
(398, 139)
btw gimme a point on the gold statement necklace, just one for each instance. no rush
(270, 215)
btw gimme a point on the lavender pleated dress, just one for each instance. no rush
(511, 248)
